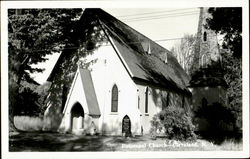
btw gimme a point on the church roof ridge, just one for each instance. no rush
(149, 67)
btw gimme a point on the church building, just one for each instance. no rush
(114, 81)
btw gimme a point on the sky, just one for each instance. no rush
(166, 26)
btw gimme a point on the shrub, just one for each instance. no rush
(221, 120)
(174, 123)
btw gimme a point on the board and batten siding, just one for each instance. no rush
(158, 98)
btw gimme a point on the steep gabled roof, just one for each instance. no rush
(131, 46)
(89, 91)
(150, 67)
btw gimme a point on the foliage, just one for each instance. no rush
(175, 122)
(89, 37)
(42, 91)
(214, 114)
(220, 122)
(27, 104)
(227, 73)
(228, 22)
(184, 51)
(33, 34)
(232, 68)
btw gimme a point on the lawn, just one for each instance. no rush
(34, 141)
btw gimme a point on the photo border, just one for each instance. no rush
(123, 4)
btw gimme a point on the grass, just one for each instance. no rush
(43, 141)
(231, 145)
(27, 123)
(162, 144)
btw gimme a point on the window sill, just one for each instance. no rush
(113, 113)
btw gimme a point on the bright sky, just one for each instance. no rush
(163, 25)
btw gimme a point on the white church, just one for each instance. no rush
(117, 86)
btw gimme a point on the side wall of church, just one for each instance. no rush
(157, 99)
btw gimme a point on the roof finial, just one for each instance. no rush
(166, 58)
(149, 49)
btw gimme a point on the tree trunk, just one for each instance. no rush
(12, 127)
(13, 98)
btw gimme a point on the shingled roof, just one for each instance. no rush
(131, 46)
(89, 90)
(211, 76)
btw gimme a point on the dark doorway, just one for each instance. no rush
(126, 126)
(77, 117)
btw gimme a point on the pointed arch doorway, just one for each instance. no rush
(126, 126)
(77, 118)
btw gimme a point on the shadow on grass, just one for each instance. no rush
(44, 142)
(219, 138)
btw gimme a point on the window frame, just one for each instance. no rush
(146, 100)
(167, 102)
(114, 102)
(203, 60)
(205, 36)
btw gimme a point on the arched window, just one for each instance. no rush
(138, 102)
(205, 36)
(114, 100)
(166, 104)
(203, 60)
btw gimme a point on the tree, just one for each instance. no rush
(89, 37)
(42, 91)
(232, 68)
(228, 22)
(219, 121)
(33, 34)
(184, 51)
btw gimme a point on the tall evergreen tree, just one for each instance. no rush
(228, 22)
(33, 34)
